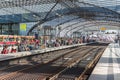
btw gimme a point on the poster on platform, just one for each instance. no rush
(23, 27)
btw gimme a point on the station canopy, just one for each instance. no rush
(57, 13)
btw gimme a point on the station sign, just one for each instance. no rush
(102, 28)
(23, 26)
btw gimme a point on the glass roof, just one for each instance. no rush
(111, 4)
(41, 11)
(16, 11)
(78, 25)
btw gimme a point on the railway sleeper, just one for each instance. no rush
(80, 70)
(89, 68)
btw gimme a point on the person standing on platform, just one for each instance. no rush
(5, 50)
(119, 40)
(83, 39)
(13, 49)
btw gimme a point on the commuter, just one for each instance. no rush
(13, 49)
(66, 42)
(27, 48)
(30, 46)
(87, 39)
(83, 39)
(116, 39)
(5, 50)
(62, 42)
(36, 43)
(19, 47)
(119, 40)
(53, 42)
(80, 40)
(69, 41)
(57, 43)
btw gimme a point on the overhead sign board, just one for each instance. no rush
(102, 28)
(23, 27)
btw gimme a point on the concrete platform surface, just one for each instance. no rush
(108, 67)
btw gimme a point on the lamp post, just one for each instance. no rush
(59, 29)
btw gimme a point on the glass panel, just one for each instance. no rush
(15, 29)
(5, 29)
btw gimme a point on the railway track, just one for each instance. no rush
(40, 60)
(78, 71)
(51, 66)
(35, 59)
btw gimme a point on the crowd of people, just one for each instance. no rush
(35, 44)
(23, 45)
(27, 45)
(6, 49)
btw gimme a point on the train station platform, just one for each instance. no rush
(108, 67)
(10, 56)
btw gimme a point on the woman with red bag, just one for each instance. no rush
(5, 50)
